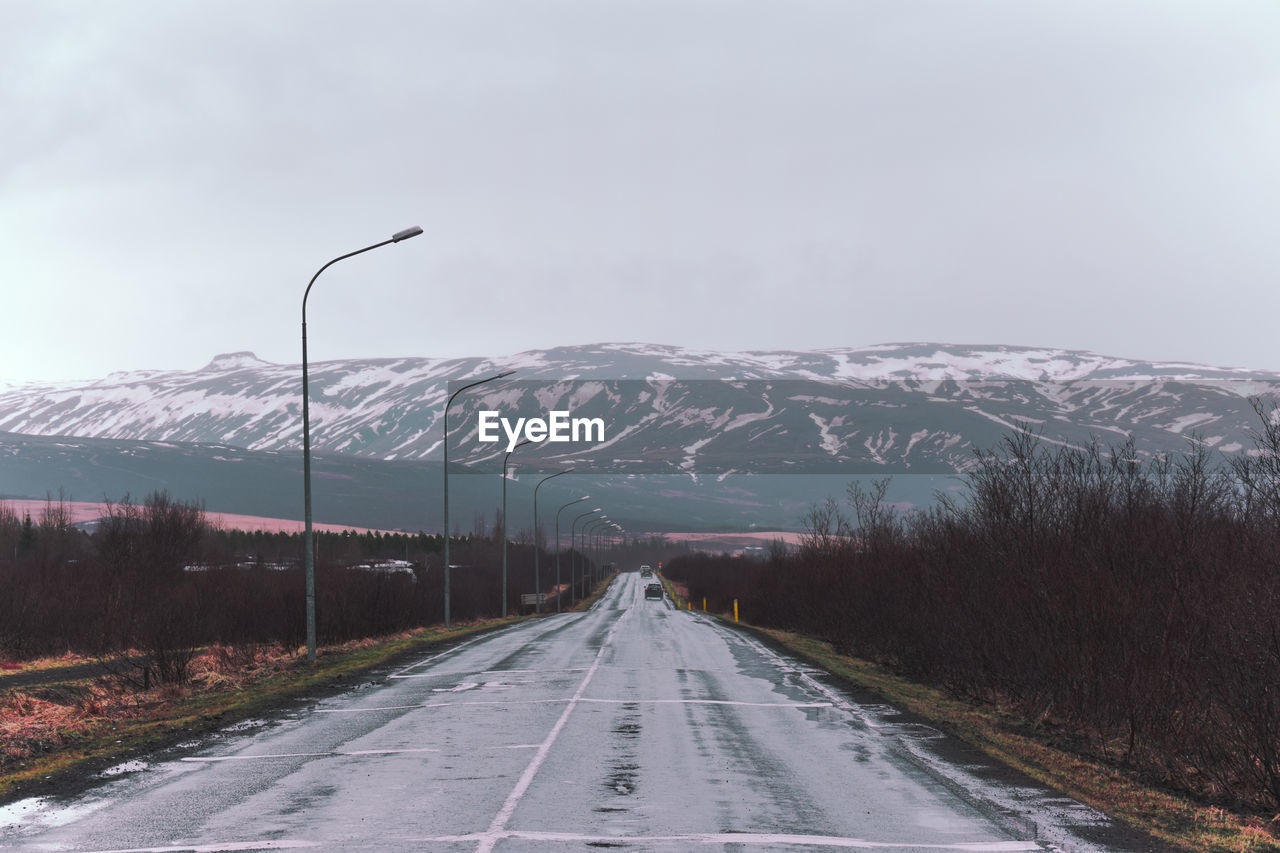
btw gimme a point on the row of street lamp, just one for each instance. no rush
(309, 548)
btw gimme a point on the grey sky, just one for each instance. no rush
(726, 175)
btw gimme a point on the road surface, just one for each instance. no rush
(632, 726)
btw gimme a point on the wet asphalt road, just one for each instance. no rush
(633, 726)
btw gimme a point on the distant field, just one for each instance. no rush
(85, 511)
(732, 541)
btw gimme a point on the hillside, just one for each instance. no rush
(231, 431)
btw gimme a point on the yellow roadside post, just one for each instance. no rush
(735, 610)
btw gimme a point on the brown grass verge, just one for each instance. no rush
(596, 594)
(53, 731)
(1175, 820)
(678, 592)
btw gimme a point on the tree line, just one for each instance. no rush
(153, 582)
(1128, 606)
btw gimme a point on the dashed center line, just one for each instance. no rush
(499, 824)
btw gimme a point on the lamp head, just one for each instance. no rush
(406, 234)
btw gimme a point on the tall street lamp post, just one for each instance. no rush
(573, 554)
(562, 509)
(505, 526)
(604, 535)
(613, 542)
(597, 567)
(309, 545)
(501, 375)
(583, 558)
(537, 532)
(588, 530)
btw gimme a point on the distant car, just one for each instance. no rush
(653, 590)
(646, 572)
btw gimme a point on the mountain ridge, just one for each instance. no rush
(694, 437)
(670, 409)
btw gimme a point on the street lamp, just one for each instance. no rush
(573, 553)
(613, 542)
(605, 537)
(501, 375)
(562, 509)
(537, 593)
(619, 543)
(504, 522)
(597, 535)
(588, 530)
(309, 546)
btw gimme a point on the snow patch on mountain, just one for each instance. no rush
(906, 401)
(234, 361)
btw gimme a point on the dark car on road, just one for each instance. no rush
(653, 590)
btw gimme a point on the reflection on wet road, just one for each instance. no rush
(633, 726)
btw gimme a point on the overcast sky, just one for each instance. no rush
(726, 175)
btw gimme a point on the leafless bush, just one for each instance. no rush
(1129, 605)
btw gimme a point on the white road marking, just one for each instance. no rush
(448, 651)
(579, 699)
(500, 820)
(709, 702)
(737, 838)
(764, 839)
(439, 705)
(218, 848)
(309, 754)
(457, 688)
(487, 672)
(366, 710)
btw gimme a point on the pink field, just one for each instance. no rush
(731, 541)
(85, 511)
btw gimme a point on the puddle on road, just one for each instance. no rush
(134, 766)
(457, 688)
(43, 813)
(244, 725)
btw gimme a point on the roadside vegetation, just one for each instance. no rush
(154, 622)
(60, 724)
(1124, 610)
(153, 583)
(53, 731)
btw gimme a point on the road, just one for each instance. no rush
(632, 726)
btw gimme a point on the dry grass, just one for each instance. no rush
(50, 729)
(42, 663)
(596, 594)
(1174, 820)
(40, 720)
(678, 592)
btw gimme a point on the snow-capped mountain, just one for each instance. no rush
(912, 407)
